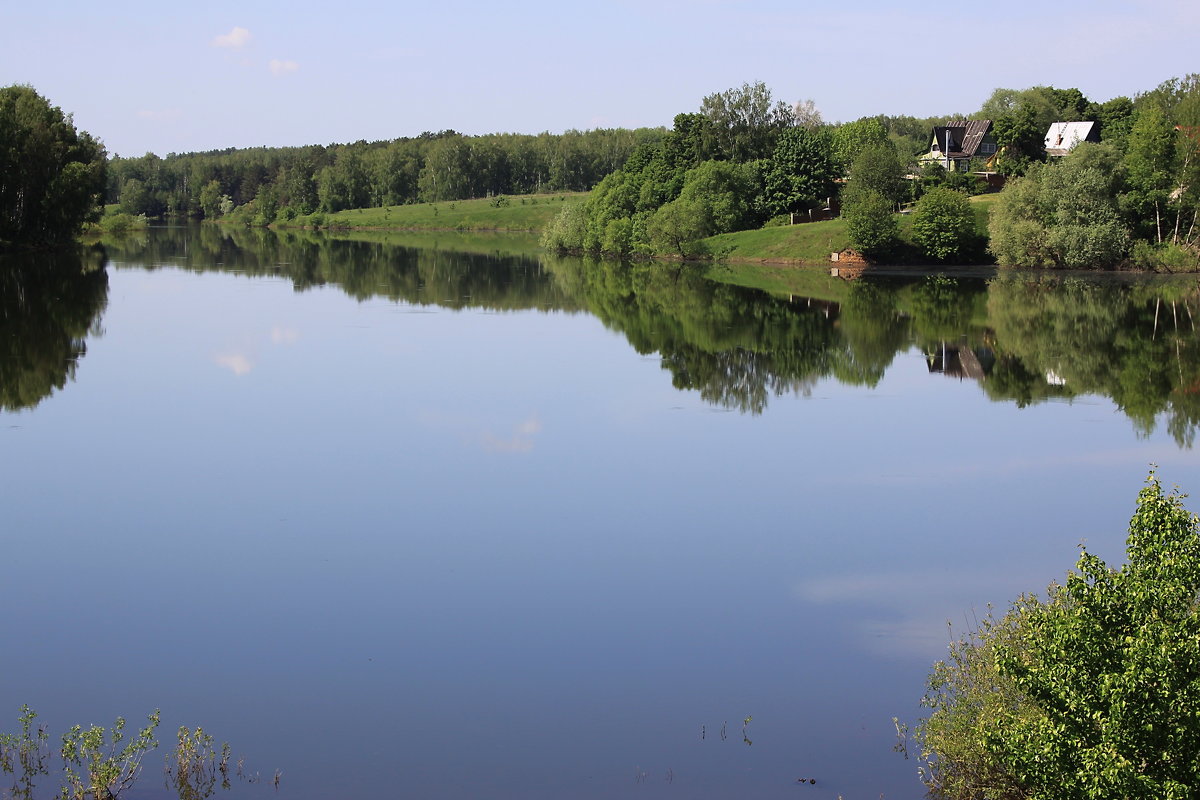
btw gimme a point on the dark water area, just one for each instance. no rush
(446, 517)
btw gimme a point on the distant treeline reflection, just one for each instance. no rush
(1024, 340)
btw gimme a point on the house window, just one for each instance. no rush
(987, 148)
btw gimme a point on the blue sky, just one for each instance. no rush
(151, 77)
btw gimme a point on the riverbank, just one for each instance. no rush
(529, 213)
(812, 243)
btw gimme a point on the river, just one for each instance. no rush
(442, 516)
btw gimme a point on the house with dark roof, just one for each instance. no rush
(955, 144)
(1063, 136)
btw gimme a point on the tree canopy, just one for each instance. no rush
(51, 175)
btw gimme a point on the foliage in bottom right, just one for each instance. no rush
(1092, 692)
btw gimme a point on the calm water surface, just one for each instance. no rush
(402, 520)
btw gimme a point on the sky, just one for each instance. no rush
(182, 77)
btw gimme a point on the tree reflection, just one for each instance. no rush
(49, 304)
(388, 267)
(1024, 340)
(737, 347)
(1134, 344)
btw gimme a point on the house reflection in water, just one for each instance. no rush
(962, 362)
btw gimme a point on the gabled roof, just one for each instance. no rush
(1063, 136)
(961, 138)
(1190, 131)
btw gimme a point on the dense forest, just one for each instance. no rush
(269, 184)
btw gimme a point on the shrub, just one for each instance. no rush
(1167, 257)
(1061, 215)
(944, 226)
(870, 223)
(677, 227)
(1090, 694)
(122, 223)
(566, 230)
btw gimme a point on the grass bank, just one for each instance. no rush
(525, 213)
(812, 242)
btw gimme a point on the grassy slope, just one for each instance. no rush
(522, 213)
(811, 242)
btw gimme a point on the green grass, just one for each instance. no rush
(809, 243)
(982, 204)
(529, 213)
(812, 242)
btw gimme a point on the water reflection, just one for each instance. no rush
(416, 270)
(487, 543)
(49, 304)
(1023, 340)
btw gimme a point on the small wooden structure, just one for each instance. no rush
(849, 264)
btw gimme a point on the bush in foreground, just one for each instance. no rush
(1091, 693)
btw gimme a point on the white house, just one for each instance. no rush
(1063, 136)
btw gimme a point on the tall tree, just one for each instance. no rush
(852, 138)
(879, 169)
(744, 122)
(51, 175)
(800, 173)
(1150, 166)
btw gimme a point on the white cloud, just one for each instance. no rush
(236, 363)
(521, 440)
(235, 39)
(529, 427)
(281, 335)
(278, 67)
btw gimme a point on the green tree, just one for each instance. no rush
(1149, 165)
(800, 173)
(1088, 695)
(743, 122)
(870, 223)
(879, 169)
(1115, 117)
(210, 200)
(1063, 214)
(1020, 139)
(852, 138)
(726, 191)
(51, 175)
(677, 227)
(943, 225)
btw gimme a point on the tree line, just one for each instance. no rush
(743, 161)
(270, 183)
